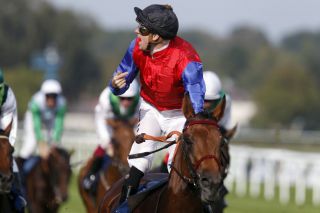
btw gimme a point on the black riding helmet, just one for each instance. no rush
(159, 19)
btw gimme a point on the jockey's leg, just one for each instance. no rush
(16, 191)
(131, 184)
(148, 123)
(91, 177)
(172, 120)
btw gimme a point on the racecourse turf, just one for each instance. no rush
(236, 204)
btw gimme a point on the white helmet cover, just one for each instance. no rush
(213, 85)
(132, 90)
(51, 86)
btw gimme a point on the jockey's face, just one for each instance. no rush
(143, 44)
(51, 100)
(148, 39)
(126, 101)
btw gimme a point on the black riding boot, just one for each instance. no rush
(90, 179)
(131, 184)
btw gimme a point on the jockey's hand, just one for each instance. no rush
(119, 81)
(44, 150)
(110, 150)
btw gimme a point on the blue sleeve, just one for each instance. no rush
(127, 65)
(193, 82)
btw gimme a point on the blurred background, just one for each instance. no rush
(266, 53)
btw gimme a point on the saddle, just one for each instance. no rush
(144, 190)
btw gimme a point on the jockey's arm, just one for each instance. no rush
(127, 66)
(9, 115)
(36, 117)
(58, 124)
(103, 111)
(194, 84)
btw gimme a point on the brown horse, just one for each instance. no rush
(122, 139)
(47, 183)
(195, 181)
(6, 172)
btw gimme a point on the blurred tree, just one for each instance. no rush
(24, 83)
(43, 25)
(289, 94)
(307, 46)
(241, 53)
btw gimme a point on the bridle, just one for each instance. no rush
(4, 137)
(193, 181)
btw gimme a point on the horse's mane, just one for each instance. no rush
(203, 115)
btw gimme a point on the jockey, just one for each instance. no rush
(169, 67)
(110, 106)
(215, 94)
(44, 118)
(8, 115)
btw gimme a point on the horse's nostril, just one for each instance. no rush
(205, 181)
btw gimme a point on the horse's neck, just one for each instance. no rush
(124, 144)
(176, 183)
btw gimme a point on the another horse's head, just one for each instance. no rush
(201, 143)
(59, 171)
(122, 138)
(6, 150)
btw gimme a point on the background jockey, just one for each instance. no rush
(169, 66)
(110, 106)
(215, 94)
(44, 119)
(8, 115)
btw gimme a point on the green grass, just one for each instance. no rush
(236, 204)
(247, 205)
(74, 204)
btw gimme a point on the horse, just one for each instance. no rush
(195, 183)
(6, 171)
(47, 182)
(122, 139)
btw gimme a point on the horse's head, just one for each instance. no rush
(59, 172)
(201, 143)
(122, 137)
(6, 150)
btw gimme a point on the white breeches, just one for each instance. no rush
(155, 123)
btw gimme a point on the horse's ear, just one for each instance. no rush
(133, 121)
(7, 130)
(219, 109)
(112, 122)
(230, 133)
(187, 106)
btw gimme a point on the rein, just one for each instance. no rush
(142, 137)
